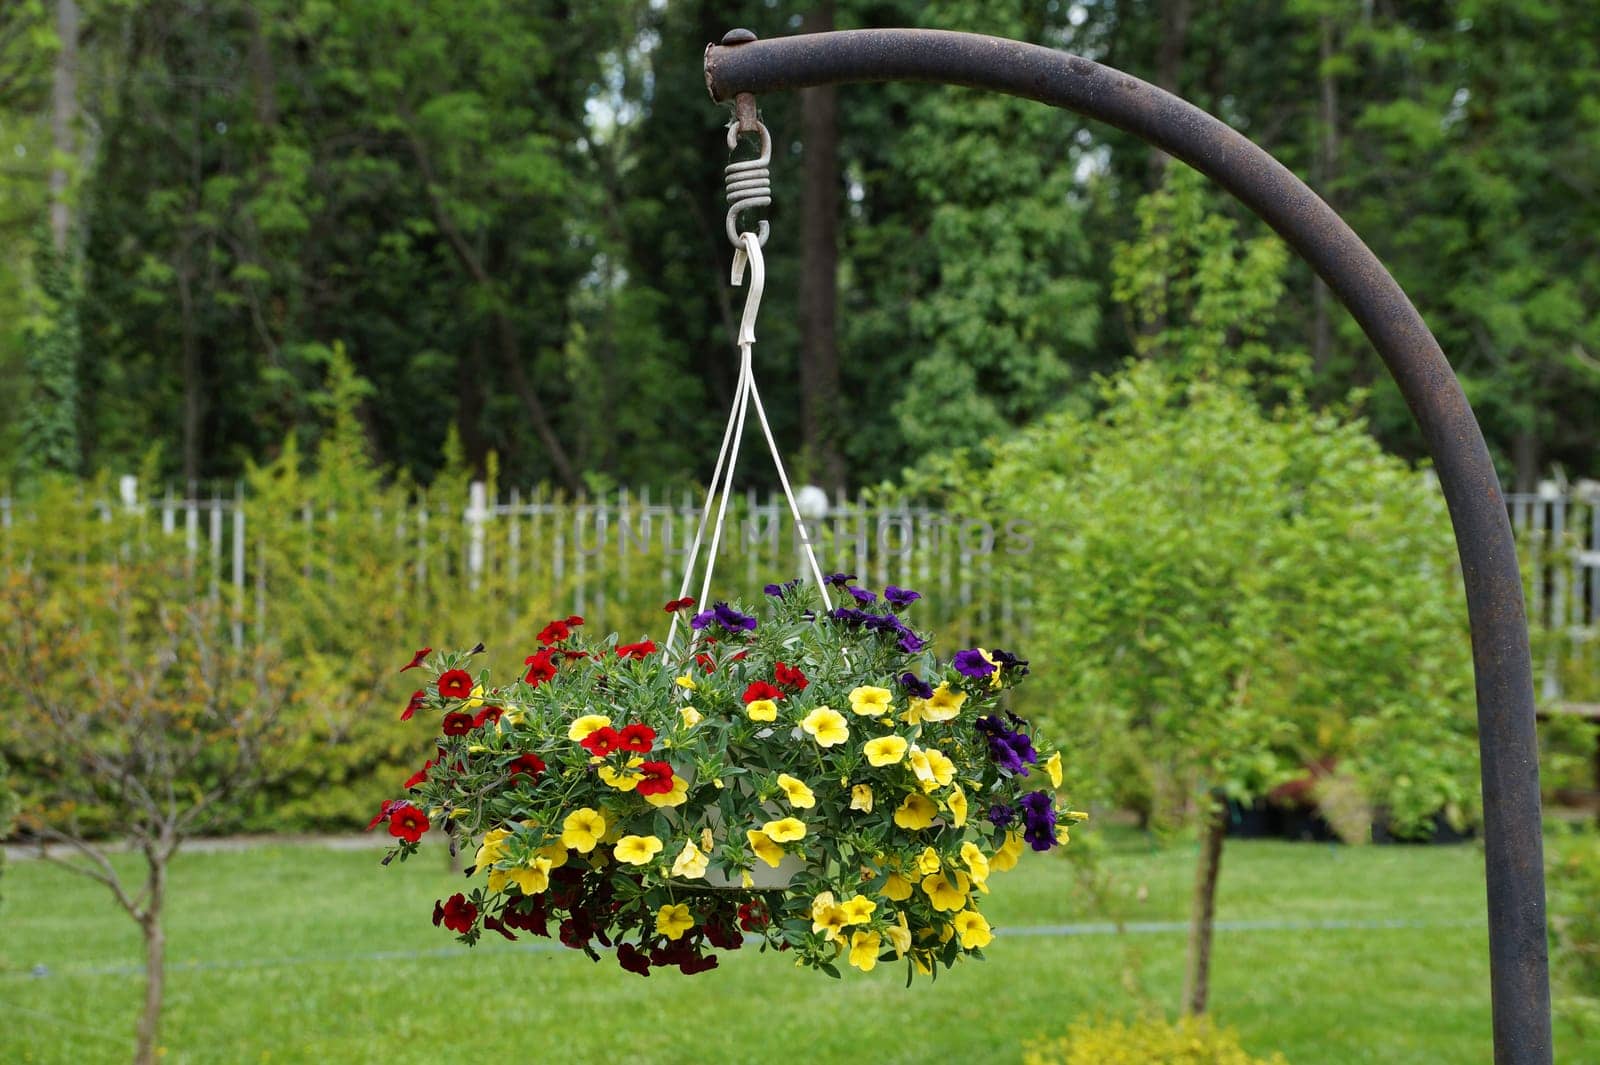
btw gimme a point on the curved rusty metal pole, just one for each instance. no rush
(1517, 948)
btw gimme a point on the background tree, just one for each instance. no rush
(132, 699)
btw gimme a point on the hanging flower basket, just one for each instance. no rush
(812, 778)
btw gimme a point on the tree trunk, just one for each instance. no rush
(1197, 979)
(63, 117)
(193, 390)
(1525, 458)
(155, 958)
(1326, 169)
(819, 270)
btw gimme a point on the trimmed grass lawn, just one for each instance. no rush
(307, 954)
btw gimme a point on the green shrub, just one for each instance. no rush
(1574, 883)
(1148, 1041)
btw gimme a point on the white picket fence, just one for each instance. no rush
(608, 552)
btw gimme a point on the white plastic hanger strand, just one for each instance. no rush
(722, 477)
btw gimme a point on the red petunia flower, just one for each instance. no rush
(573, 621)
(420, 775)
(753, 916)
(602, 741)
(675, 605)
(540, 667)
(636, 650)
(655, 778)
(637, 738)
(486, 715)
(456, 913)
(455, 684)
(414, 705)
(760, 689)
(456, 723)
(570, 655)
(554, 632)
(789, 677)
(384, 810)
(531, 764)
(416, 659)
(407, 822)
(705, 663)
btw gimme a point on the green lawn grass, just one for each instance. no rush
(305, 954)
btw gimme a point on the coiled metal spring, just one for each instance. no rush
(748, 183)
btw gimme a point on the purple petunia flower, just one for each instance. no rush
(972, 663)
(900, 598)
(1010, 750)
(911, 643)
(916, 685)
(1009, 662)
(1039, 820)
(701, 620)
(1001, 815)
(778, 591)
(848, 615)
(839, 580)
(732, 620)
(862, 596)
(882, 623)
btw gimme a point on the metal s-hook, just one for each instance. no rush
(748, 183)
(749, 252)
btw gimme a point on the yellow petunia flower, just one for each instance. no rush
(1052, 765)
(826, 726)
(922, 768)
(626, 779)
(916, 711)
(762, 710)
(586, 724)
(785, 830)
(858, 909)
(928, 861)
(946, 893)
(673, 920)
(636, 850)
(899, 935)
(827, 916)
(799, 795)
(494, 846)
(687, 681)
(1006, 857)
(532, 878)
(690, 864)
(973, 929)
(869, 701)
(897, 888)
(944, 770)
(498, 879)
(707, 840)
(764, 847)
(957, 805)
(943, 704)
(917, 812)
(582, 829)
(554, 852)
(676, 797)
(864, 948)
(475, 700)
(973, 855)
(691, 716)
(861, 798)
(885, 750)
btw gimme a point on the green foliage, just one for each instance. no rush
(1148, 1041)
(1225, 595)
(1574, 887)
(49, 424)
(8, 809)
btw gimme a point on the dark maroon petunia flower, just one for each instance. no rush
(486, 715)
(456, 723)
(455, 684)
(633, 959)
(458, 914)
(530, 765)
(494, 924)
(416, 659)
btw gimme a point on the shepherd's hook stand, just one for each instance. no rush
(742, 66)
